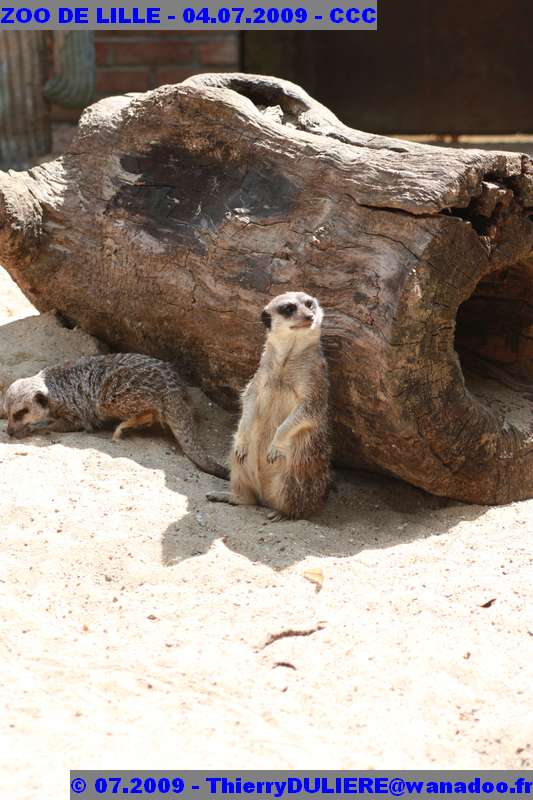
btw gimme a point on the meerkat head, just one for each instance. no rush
(293, 313)
(25, 404)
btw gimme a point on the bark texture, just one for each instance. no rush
(178, 213)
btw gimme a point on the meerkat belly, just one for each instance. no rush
(274, 408)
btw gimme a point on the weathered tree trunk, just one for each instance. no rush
(178, 213)
(25, 132)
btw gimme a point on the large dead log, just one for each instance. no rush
(178, 213)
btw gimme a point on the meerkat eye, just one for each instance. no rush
(287, 309)
(20, 414)
(309, 303)
(41, 399)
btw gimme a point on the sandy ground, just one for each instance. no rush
(142, 627)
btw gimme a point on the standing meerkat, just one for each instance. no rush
(135, 390)
(281, 452)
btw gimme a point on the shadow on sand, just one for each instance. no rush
(365, 512)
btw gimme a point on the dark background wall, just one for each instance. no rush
(446, 67)
(140, 60)
(452, 67)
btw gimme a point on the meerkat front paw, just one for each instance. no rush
(240, 451)
(274, 453)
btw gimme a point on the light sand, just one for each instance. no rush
(143, 628)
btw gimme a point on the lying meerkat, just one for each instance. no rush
(281, 453)
(135, 390)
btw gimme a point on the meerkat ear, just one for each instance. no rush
(266, 319)
(41, 398)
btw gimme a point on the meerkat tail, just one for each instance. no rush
(184, 431)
